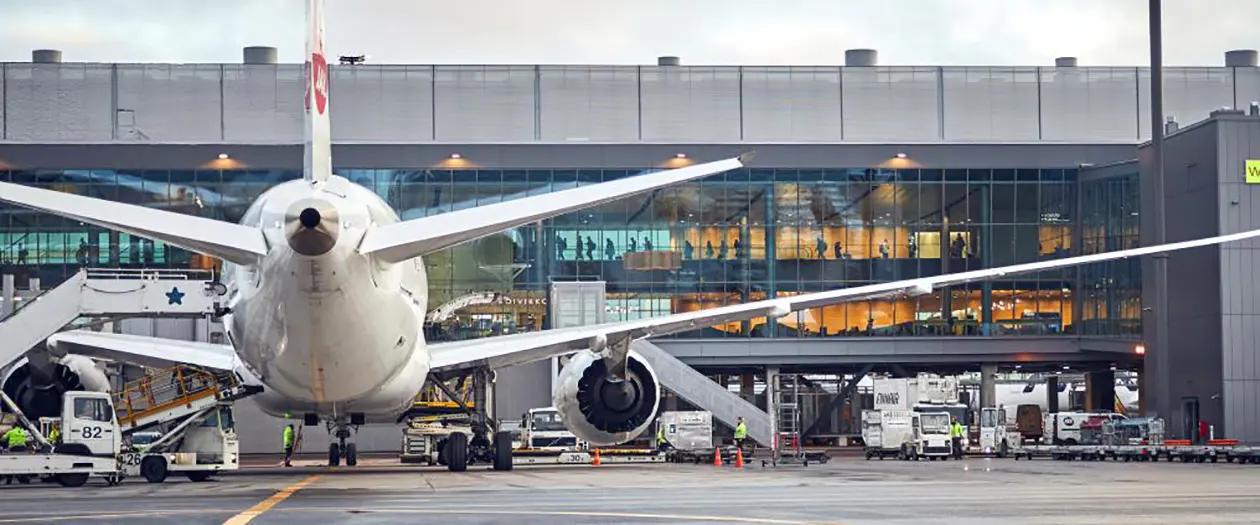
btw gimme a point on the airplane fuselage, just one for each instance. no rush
(323, 328)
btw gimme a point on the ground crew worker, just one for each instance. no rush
(54, 435)
(288, 445)
(661, 442)
(956, 435)
(15, 438)
(741, 433)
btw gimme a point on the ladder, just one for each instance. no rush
(787, 408)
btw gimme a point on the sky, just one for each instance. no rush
(701, 32)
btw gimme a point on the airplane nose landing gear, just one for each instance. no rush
(342, 449)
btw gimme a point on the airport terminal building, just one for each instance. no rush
(863, 173)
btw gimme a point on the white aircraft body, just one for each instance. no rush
(326, 294)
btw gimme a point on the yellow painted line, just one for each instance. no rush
(267, 504)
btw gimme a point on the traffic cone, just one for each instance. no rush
(597, 457)
(739, 457)
(717, 457)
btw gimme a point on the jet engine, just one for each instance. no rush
(38, 390)
(601, 410)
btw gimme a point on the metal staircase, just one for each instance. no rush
(173, 394)
(705, 393)
(105, 293)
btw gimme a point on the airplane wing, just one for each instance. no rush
(416, 237)
(145, 351)
(515, 349)
(227, 241)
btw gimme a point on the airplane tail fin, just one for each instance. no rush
(317, 163)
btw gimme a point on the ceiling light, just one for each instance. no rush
(681, 155)
(223, 155)
(455, 156)
(901, 155)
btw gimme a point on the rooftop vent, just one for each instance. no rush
(1240, 58)
(861, 57)
(668, 61)
(45, 56)
(1065, 62)
(259, 55)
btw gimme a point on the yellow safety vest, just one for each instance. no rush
(741, 431)
(16, 437)
(288, 437)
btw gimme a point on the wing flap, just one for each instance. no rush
(227, 241)
(417, 237)
(144, 351)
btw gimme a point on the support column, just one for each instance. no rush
(746, 390)
(772, 373)
(986, 261)
(772, 259)
(114, 256)
(988, 386)
(1100, 391)
(1052, 394)
(9, 288)
(947, 293)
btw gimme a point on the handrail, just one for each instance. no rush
(149, 274)
(169, 388)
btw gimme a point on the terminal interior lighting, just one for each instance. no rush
(901, 155)
(223, 156)
(681, 155)
(456, 156)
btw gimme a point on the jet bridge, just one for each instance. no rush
(108, 293)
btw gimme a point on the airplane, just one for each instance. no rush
(326, 295)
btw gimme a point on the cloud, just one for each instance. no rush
(906, 32)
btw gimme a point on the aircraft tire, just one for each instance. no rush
(334, 454)
(503, 451)
(352, 455)
(457, 452)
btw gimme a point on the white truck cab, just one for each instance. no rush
(543, 429)
(929, 437)
(993, 438)
(89, 444)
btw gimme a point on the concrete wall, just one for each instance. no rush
(1212, 307)
(237, 103)
(559, 156)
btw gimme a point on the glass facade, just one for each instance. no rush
(744, 235)
(1111, 302)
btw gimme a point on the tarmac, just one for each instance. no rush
(843, 491)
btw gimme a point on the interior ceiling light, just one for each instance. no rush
(223, 155)
(901, 155)
(681, 155)
(456, 156)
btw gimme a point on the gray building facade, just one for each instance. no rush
(1212, 369)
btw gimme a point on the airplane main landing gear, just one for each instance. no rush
(341, 449)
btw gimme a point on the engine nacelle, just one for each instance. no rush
(38, 392)
(604, 412)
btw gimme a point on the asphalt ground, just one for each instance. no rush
(846, 490)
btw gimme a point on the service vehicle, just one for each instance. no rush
(89, 443)
(887, 432)
(993, 435)
(929, 437)
(199, 447)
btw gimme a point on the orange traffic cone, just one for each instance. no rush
(717, 457)
(597, 457)
(739, 457)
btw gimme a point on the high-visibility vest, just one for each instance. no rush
(16, 437)
(288, 437)
(741, 431)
